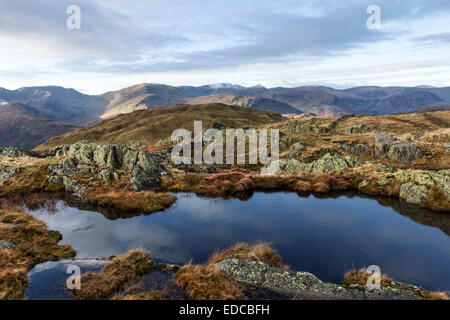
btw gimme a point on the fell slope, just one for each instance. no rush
(23, 127)
(158, 123)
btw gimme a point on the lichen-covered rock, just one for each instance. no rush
(412, 193)
(145, 180)
(60, 151)
(13, 152)
(7, 173)
(383, 142)
(74, 187)
(404, 152)
(303, 285)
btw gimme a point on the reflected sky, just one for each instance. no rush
(322, 236)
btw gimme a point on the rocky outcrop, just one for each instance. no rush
(101, 161)
(329, 163)
(12, 152)
(361, 149)
(404, 152)
(413, 193)
(304, 285)
(7, 173)
(383, 142)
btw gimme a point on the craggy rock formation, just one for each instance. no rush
(360, 149)
(330, 163)
(91, 159)
(7, 173)
(404, 152)
(12, 152)
(383, 142)
(304, 285)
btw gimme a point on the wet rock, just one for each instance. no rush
(7, 173)
(412, 193)
(4, 244)
(383, 142)
(404, 152)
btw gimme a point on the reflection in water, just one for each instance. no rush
(322, 236)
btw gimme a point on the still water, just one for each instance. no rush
(323, 236)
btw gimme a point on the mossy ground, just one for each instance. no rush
(34, 244)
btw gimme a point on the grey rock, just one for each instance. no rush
(301, 285)
(296, 149)
(60, 151)
(4, 244)
(144, 180)
(383, 142)
(404, 152)
(7, 173)
(13, 152)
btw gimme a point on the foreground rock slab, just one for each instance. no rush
(304, 285)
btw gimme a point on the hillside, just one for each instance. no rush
(158, 123)
(58, 103)
(246, 102)
(23, 127)
(141, 97)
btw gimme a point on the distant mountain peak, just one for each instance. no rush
(224, 86)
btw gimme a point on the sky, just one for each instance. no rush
(285, 43)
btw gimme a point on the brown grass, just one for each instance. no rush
(136, 292)
(260, 252)
(321, 187)
(34, 244)
(120, 196)
(303, 186)
(115, 275)
(436, 200)
(360, 277)
(208, 282)
(436, 296)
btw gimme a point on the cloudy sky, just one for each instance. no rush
(194, 42)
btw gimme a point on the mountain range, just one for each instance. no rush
(67, 108)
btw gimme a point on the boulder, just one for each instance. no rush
(60, 151)
(145, 180)
(404, 152)
(383, 142)
(412, 193)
